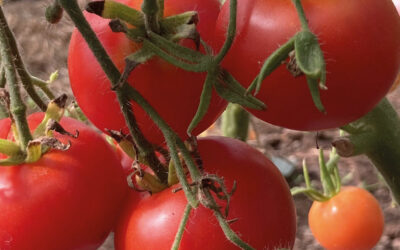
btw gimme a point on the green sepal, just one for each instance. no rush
(310, 60)
(229, 89)
(55, 111)
(178, 50)
(315, 94)
(131, 62)
(9, 148)
(169, 24)
(172, 177)
(12, 161)
(273, 61)
(205, 100)
(111, 10)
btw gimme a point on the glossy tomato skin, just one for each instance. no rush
(66, 200)
(262, 203)
(173, 92)
(352, 219)
(360, 41)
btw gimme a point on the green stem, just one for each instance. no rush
(229, 233)
(377, 135)
(173, 141)
(151, 10)
(73, 10)
(181, 229)
(231, 32)
(302, 15)
(20, 67)
(17, 106)
(235, 122)
(43, 86)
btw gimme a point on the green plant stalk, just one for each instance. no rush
(377, 135)
(181, 229)
(173, 142)
(17, 106)
(43, 86)
(73, 10)
(235, 122)
(229, 233)
(20, 67)
(302, 15)
(151, 10)
(231, 32)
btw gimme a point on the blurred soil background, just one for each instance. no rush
(44, 49)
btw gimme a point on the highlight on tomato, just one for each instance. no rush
(262, 205)
(360, 41)
(173, 92)
(67, 199)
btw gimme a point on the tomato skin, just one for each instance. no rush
(66, 200)
(352, 219)
(173, 92)
(262, 203)
(360, 41)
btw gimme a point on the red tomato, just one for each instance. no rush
(67, 199)
(173, 92)
(361, 45)
(262, 204)
(352, 219)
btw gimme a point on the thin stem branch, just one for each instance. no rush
(181, 229)
(43, 86)
(302, 15)
(112, 72)
(231, 32)
(17, 106)
(21, 69)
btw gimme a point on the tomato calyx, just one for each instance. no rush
(329, 175)
(43, 136)
(305, 57)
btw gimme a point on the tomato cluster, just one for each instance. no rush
(71, 199)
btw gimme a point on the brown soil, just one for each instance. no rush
(44, 49)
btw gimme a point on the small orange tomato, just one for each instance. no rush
(352, 219)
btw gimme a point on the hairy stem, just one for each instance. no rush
(112, 72)
(20, 67)
(17, 106)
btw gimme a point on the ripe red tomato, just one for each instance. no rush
(262, 204)
(173, 92)
(352, 219)
(361, 45)
(66, 200)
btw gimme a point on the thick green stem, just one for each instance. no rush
(17, 106)
(146, 149)
(20, 67)
(377, 135)
(235, 122)
(150, 10)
